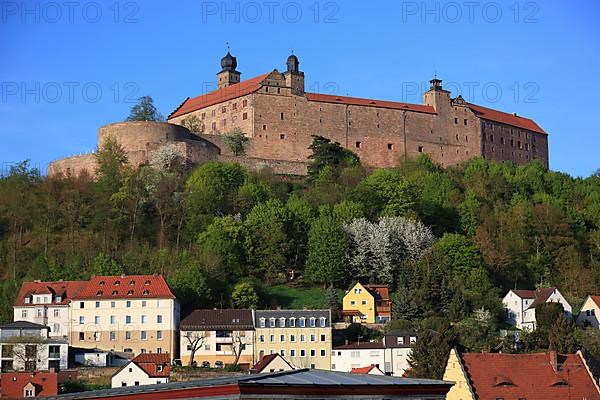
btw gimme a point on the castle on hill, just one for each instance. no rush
(279, 117)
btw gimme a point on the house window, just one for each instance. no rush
(322, 322)
(136, 383)
(282, 136)
(261, 323)
(245, 116)
(364, 302)
(159, 319)
(203, 116)
(128, 304)
(213, 112)
(81, 320)
(400, 340)
(302, 322)
(413, 340)
(214, 126)
(357, 145)
(292, 338)
(123, 384)
(282, 338)
(144, 301)
(159, 368)
(420, 149)
(81, 336)
(302, 353)
(81, 304)
(97, 336)
(292, 322)
(144, 335)
(352, 302)
(292, 353)
(97, 320)
(29, 393)
(282, 353)
(313, 353)
(97, 304)
(128, 335)
(465, 122)
(322, 337)
(143, 319)
(272, 322)
(272, 338)
(24, 314)
(244, 103)
(264, 127)
(313, 322)
(113, 336)
(224, 110)
(323, 353)
(456, 121)
(262, 338)
(313, 338)
(302, 338)
(128, 319)
(282, 322)
(56, 313)
(159, 335)
(112, 319)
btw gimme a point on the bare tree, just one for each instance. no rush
(240, 341)
(25, 350)
(195, 341)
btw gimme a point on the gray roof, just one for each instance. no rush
(287, 314)
(22, 325)
(301, 377)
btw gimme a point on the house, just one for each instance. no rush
(389, 355)
(370, 370)
(47, 303)
(99, 358)
(590, 312)
(271, 363)
(369, 304)
(349, 356)
(26, 346)
(398, 346)
(145, 369)
(133, 314)
(302, 337)
(218, 337)
(491, 376)
(297, 384)
(520, 305)
(16, 385)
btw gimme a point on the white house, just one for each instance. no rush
(520, 305)
(145, 369)
(398, 346)
(25, 346)
(47, 303)
(590, 312)
(347, 357)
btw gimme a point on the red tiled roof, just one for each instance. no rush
(265, 361)
(380, 292)
(66, 289)
(356, 101)
(363, 370)
(126, 286)
(524, 294)
(596, 299)
(506, 118)
(149, 362)
(354, 313)
(530, 376)
(541, 295)
(218, 96)
(13, 383)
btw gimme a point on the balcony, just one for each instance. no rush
(224, 339)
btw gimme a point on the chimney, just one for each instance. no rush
(554, 360)
(515, 114)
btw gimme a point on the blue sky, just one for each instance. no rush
(69, 68)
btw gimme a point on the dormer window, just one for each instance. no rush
(145, 292)
(101, 283)
(503, 381)
(159, 368)
(131, 282)
(114, 292)
(129, 292)
(58, 299)
(282, 322)
(117, 283)
(272, 322)
(322, 322)
(313, 322)
(26, 300)
(292, 322)
(302, 322)
(261, 323)
(147, 283)
(99, 293)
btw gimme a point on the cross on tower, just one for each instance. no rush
(227, 44)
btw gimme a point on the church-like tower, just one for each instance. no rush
(294, 78)
(228, 75)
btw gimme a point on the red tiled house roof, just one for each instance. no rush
(362, 370)
(506, 118)
(150, 363)
(219, 96)
(596, 299)
(12, 384)
(383, 304)
(264, 363)
(65, 289)
(539, 295)
(126, 286)
(545, 376)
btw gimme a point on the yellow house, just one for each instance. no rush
(369, 304)
(590, 312)
(455, 372)
(359, 304)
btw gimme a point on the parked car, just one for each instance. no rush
(219, 364)
(205, 364)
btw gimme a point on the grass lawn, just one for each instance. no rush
(294, 297)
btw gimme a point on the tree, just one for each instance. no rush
(386, 192)
(324, 153)
(222, 248)
(547, 315)
(561, 335)
(144, 110)
(112, 165)
(193, 123)
(327, 251)
(190, 286)
(26, 349)
(429, 354)
(404, 305)
(237, 141)
(239, 343)
(244, 296)
(195, 340)
(103, 264)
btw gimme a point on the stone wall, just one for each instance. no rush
(74, 166)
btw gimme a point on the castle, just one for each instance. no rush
(279, 117)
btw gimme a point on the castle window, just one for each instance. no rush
(420, 149)
(267, 89)
(358, 145)
(281, 116)
(492, 138)
(512, 143)
(455, 121)
(234, 106)
(203, 116)
(501, 140)
(377, 126)
(465, 122)
(390, 146)
(245, 116)
(466, 138)
(224, 122)
(224, 110)
(244, 103)
(519, 144)
(278, 90)
(214, 126)
(213, 113)
(457, 137)
(264, 127)
(526, 146)
(282, 136)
